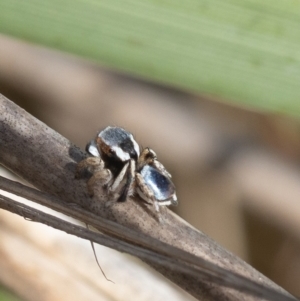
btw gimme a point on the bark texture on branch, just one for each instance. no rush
(47, 160)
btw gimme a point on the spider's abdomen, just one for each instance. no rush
(162, 187)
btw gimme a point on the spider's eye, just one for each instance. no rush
(92, 149)
(133, 155)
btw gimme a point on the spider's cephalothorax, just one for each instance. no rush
(115, 146)
(119, 166)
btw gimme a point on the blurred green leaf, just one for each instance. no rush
(242, 51)
(7, 296)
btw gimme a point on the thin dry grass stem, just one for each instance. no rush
(179, 260)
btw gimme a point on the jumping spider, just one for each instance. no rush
(117, 164)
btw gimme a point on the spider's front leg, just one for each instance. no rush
(145, 192)
(93, 167)
(129, 174)
(102, 182)
(121, 186)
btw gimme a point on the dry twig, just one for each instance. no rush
(47, 160)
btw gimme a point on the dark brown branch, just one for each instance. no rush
(47, 160)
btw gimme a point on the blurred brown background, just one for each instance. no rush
(236, 171)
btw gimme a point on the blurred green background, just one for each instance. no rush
(246, 52)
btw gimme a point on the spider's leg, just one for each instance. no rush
(88, 167)
(130, 175)
(118, 180)
(116, 190)
(144, 192)
(161, 168)
(99, 179)
(94, 168)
